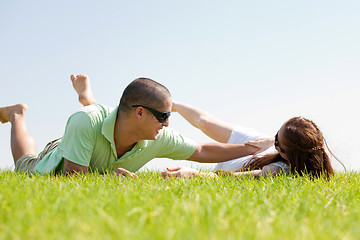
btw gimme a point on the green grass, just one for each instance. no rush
(106, 207)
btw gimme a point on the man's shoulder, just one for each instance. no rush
(168, 132)
(172, 144)
(96, 108)
(168, 135)
(96, 111)
(90, 115)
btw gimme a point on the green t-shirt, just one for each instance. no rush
(88, 141)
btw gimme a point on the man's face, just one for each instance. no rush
(152, 124)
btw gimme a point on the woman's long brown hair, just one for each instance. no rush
(305, 147)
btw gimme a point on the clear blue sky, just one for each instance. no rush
(251, 63)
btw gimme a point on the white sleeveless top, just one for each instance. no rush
(241, 135)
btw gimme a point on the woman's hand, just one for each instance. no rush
(180, 172)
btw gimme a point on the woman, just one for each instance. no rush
(300, 147)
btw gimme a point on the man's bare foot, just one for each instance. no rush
(81, 84)
(8, 112)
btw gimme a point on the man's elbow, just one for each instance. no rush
(198, 155)
(71, 168)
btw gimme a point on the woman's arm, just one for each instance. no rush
(186, 172)
(212, 127)
(268, 170)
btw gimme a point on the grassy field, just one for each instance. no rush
(106, 207)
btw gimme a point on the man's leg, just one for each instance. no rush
(22, 143)
(81, 84)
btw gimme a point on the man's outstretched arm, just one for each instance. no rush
(221, 152)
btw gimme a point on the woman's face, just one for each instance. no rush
(279, 144)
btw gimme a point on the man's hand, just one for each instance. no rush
(124, 173)
(180, 172)
(261, 143)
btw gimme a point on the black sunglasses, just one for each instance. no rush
(160, 116)
(276, 143)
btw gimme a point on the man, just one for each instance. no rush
(123, 139)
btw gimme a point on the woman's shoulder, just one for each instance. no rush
(240, 135)
(285, 167)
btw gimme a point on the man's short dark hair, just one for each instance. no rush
(143, 91)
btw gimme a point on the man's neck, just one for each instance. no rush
(124, 136)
